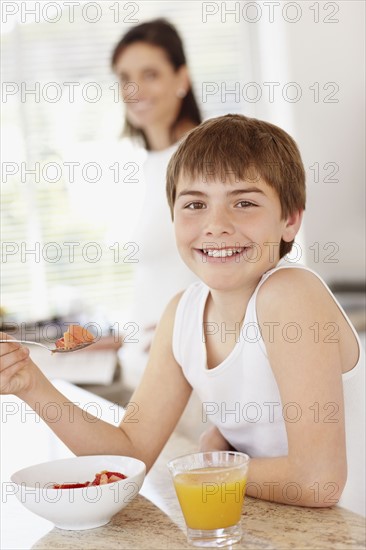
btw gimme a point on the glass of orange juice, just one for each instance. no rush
(210, 487)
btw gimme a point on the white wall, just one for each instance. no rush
(306, 52)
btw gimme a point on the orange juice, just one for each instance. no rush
(211, 498)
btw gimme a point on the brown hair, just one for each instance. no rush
(163, 34)
(247, 147)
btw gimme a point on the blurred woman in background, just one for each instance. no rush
(150, 64)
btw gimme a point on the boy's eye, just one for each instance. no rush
(244, 204)
(195, 205)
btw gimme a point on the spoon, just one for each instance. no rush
(52, 350)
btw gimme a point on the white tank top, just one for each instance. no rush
(241, 397)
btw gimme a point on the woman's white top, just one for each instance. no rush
(241, 397)
(160, 273)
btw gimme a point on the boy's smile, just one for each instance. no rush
(214, 253)
(229, 233)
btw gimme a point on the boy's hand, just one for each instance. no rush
(15, 363)
(213, 440)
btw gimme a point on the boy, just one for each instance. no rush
(244, 337)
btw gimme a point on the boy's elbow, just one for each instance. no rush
(325, 491)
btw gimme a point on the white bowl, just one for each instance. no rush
(83, 508)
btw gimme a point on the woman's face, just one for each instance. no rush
(150, 86)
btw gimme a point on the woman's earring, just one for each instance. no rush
(181, 93)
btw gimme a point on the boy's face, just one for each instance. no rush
(229, 234)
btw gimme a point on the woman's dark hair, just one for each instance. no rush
(163, 34)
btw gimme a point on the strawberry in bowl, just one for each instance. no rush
(102, 478)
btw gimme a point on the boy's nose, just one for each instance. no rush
(218, 222)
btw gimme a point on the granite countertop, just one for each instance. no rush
(153, 520)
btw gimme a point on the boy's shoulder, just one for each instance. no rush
(285, 275)
(295, 290)
(172, 305)
(166, 323)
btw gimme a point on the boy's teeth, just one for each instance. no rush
(223, 252)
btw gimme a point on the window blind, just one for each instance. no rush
(42, 132)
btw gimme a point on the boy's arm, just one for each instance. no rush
(309, 376)
(157, 406)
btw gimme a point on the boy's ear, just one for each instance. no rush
(292, 226)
